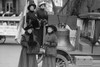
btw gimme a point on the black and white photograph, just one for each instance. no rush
(49, 33)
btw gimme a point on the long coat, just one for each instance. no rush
(28, 54)
(31, 19)
(50, 53)
(41, 14)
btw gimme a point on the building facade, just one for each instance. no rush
(14, 6)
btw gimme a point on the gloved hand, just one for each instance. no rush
(42, 50)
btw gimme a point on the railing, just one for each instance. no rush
(22, 24)
(9, 25)
(18, 35)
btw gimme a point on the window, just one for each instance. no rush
(9, 6)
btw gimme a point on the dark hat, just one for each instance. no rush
(32, 4)
(53, 27)
(42, 3)
(28, 27)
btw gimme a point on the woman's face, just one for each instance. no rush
(42, 7)
(29, 31)
(32, 8)
(49, 29)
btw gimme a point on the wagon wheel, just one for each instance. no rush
(61, 61)
(2, 39)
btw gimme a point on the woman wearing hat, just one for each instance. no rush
(30, 48)
(41, 12)
(31, 16)
(50, 45)
(42, 15)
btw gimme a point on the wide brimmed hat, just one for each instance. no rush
(53, 27)
(42, 3)
(28, 27)
(32, 4)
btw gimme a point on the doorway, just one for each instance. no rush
(9, 6)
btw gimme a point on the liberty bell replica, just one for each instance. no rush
(63, 35)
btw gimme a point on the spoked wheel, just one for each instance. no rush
(2, 39)
(61, 61)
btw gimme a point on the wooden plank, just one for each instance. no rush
(10, 18)
(80, 53)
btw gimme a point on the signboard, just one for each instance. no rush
(8, 30)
